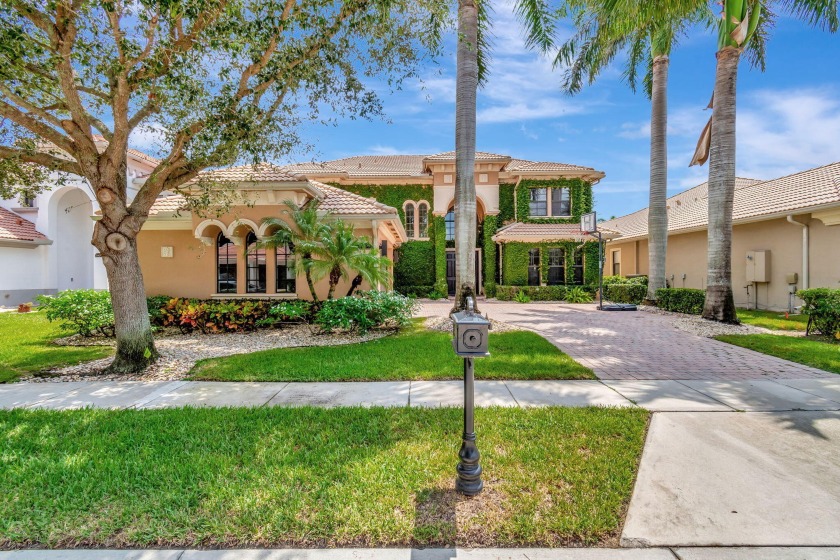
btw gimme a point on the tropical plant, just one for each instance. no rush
(647, 31)
(577, 295)
(743, 24)
(521, 297)
(340, 252)
(84, 312)
(213, 82)
(366, 311)
(302, 230)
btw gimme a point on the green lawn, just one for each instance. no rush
(816, 353)
(414, 354)
(313, 477)
(27, 346)
(773, 320)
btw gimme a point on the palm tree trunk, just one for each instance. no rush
(720, 304)
(335, 276)
(308, 274)
(357, 281)
(658, 212)
(465, 125)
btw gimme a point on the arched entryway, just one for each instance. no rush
(74, 253)
(449, 226)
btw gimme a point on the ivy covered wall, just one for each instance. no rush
(580, 194)
(489, 252)
(515, 261)
(438, 235)
(393, 195)
(413, 267)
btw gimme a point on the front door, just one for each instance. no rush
(450, 271)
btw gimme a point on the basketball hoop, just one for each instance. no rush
(588, 223)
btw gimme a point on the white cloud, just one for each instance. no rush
(149, 138)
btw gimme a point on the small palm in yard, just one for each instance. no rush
(303, 232)
(341, 252)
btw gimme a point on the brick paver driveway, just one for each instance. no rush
(636, 344)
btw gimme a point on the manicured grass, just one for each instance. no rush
(414, 354)
(27, 346)
(773, 320)
(313, 477)
(820, 354)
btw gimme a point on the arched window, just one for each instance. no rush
(423, 220)
(449, 221)
(409, 219)
(254, 265)
(226, 258)
(285, 270)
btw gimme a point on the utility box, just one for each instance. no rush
(758, 266)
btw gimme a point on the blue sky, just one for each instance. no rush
(788, 116)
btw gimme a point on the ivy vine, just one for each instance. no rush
(515, 259)
(580, 195)
(490, 224)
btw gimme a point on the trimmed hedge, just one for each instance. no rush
(415, 291)
(538, 293)
(415, 265)
(625, 292)
(681, 300)
(822, 305)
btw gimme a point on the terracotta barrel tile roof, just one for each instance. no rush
(339, 201)
(167, 204)
(261, 172)
(479, 156)
(373, 166)
(520, 231)
(17, 228)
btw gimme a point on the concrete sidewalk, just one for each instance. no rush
(656, 396)
(788, 553)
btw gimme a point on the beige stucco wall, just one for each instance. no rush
(687, 256)
(191, 271)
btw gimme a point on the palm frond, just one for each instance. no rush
(822, 14)
(540, 23)
(485, 40)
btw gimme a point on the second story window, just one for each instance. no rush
(409, 220)
(422, 220)
(561, 203)
(449, 221)
(538, 202)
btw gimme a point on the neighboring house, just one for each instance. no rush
(786, 236)
(45, 240)
(527, 213)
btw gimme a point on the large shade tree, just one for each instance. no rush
(743, 24)
(646, 32)
(219, 80)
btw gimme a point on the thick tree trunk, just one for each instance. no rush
(135, 345)
(465, 124)
(720, 304)
(658, 212)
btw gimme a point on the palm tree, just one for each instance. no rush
(743, 24)
(471, 72)
(647, 32)
(466, 91)
(303, 231)
(342, 251)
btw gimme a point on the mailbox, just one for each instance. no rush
(470, 331)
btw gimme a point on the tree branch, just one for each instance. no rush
(37, 127)
(41, 158)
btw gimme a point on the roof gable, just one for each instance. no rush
(14, 227)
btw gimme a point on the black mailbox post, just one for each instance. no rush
(470, 331)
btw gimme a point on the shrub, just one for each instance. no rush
(681, 300)
(295, 311)
(521, 297)
(365, 311)
(85, 312)
(215, 316)
(414, 265)
(822, 305)
(578, 295)
(626, 292)
(490, 289)
(155, 305)
(415, 291)
(541, 293)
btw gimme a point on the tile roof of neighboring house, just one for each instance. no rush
(753, 200)
(98, 138)
(167, 204)
(17, 228)
(682, 206)
(262, 172)
(524, 165)
(519, 231)
(339, 201)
